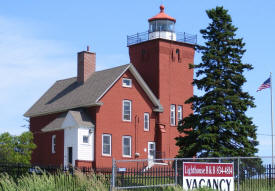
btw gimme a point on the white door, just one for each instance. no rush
(151, 151)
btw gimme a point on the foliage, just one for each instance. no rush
(219, 125)
(58, 182)
(16, 149)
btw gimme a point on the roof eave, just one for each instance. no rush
(61, 110)
(146, 88)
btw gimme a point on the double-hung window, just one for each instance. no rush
(126, 146)
(146, 121)
(53, 144)
(106, 145)
(172, 115)
(126, 110)
(179, 113)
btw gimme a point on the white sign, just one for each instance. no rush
(218, 176)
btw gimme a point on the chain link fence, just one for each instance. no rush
(250, 173)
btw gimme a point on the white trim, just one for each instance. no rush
(113, 83)
(179, 112)
(53, 144)
(129, 137)
(110, 138)
(137, 76)
(142, 83)
(173, 114)
(146, 114)
(128, 101)
(125, 84)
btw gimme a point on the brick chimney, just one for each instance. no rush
(86, 61)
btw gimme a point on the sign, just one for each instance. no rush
(121, 169)
(219, 176)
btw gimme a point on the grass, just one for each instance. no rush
(62, 181)
(57, 182)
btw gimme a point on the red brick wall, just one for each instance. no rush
(83, 163)
(42, 155)
(109, 121)
(168, 75)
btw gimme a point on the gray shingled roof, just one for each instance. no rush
(68, 94)
(80, 117)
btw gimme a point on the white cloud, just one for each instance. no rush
(28, 66)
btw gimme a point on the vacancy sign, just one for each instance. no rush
(218, 176)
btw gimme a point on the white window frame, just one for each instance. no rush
(172, 114)
(129, 137)
(125, 84)
(53, 144)
(146, 122)
(123, 102)
(180, 116)
(110, 138)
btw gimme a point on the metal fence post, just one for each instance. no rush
(176, 172)
(238, 174)
(269, 175)
(113, 183)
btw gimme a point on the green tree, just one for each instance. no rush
(16, 149)
(219, 125)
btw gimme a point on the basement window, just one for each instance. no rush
(126, 82)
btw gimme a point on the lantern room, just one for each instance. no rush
(162, 26)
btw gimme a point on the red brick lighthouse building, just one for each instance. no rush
(163, 62)
(127, 112)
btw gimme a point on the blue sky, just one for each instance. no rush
(39, 41)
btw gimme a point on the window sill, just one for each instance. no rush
(127, 121)
(107, 156)
(123, 156)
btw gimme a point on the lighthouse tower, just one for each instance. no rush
(162, 57)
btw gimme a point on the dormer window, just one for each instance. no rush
(126, 82)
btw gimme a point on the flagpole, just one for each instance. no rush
(271, 116)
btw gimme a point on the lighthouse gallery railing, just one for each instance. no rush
(144, 36)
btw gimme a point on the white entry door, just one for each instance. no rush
(151, 151)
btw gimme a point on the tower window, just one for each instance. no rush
(179, 113)
(178, 55)
(172, 115)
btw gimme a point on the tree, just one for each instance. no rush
(16, 149)
(219, 126)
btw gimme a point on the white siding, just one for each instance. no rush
(70, 140)
(85, 151)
